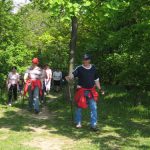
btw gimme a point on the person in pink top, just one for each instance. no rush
(48, 79)
(12, 84)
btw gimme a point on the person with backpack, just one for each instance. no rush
(86, 94)
(12, 84)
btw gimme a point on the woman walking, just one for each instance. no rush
(12, 84)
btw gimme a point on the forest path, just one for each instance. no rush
(45, 138)
(31, 131)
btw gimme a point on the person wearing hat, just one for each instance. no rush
(33, 85)
(12, 83)
(86, 94)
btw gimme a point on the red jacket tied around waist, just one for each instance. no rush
(33, 83)
(80, 98)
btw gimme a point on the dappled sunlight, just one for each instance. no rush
(115, 95)
(59, 55)
(52, 96)
(121, 125)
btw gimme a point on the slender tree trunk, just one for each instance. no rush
(73, 42)
(72, 47)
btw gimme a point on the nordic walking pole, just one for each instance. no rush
(71, 101)
(22, 100)
(23, 97)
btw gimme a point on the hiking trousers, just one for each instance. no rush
(33, 98)
(93, 111)
(12, 92)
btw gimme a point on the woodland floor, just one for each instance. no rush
(122, 125)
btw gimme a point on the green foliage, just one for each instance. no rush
(116, 33)
(63, 8)
(121, 125)
(48, 35)
(13, 50)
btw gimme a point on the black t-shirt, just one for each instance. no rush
(86, 76)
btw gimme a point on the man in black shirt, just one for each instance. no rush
(86, 94)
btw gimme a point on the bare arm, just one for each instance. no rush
(98, 85)
(18, 79)
(69, 78)
(26, 77)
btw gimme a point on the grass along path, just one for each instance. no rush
(122, 126)
(22, 130)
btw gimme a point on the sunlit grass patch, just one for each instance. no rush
(122, 125)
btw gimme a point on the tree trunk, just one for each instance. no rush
(72, 47)
(73, 42)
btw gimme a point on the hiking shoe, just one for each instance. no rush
(36, 111)
(94, 129)
(78, 126)
(9, 104)
(29, 109)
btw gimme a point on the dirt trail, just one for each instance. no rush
(49, 141)
(43, 137)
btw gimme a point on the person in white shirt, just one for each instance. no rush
(33, 79)
(48, 79)
(57, 77)
(12, 84)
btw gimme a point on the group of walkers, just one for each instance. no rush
(38, 82)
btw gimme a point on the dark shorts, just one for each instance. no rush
(57, 83)
(20, 87)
